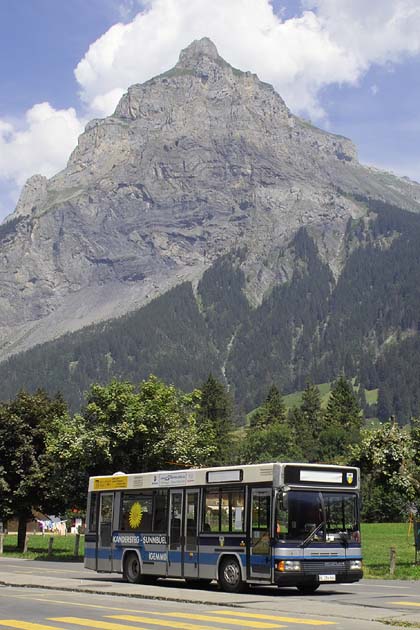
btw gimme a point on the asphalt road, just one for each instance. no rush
(71, 597)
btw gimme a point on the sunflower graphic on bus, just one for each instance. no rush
(136, 515)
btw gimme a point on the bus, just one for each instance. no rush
(285, 524)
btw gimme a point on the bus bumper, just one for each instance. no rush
(292, 578)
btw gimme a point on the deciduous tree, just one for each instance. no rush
(26, 474)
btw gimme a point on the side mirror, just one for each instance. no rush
(285, 500)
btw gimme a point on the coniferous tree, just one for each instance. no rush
(343, 421)
(273, 410)
(215, 416)
(275, 407)
(309, 422)
(384, 407)
(270, 437)
(343, 408)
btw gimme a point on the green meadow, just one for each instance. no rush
(62, 550)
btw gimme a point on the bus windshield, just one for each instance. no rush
(308, 516)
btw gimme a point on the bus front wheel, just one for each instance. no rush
(132, 569)
(230, 576)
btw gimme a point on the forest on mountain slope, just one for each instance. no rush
(312, 328)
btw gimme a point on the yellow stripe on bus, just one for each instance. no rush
(307, 622)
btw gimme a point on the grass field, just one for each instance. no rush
(63, 547)
(377, 539)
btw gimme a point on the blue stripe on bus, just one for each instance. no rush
(208, 558)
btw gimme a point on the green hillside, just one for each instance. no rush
(295, 398)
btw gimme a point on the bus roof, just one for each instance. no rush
(285, 475)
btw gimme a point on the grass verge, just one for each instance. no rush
(62, 550)
(377, 540)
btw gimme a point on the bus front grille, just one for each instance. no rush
(314, 567)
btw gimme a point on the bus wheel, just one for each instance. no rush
(230, 577)
(307, 589)
(132, 570)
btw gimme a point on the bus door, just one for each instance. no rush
(104, 550)
(190, 551)
(259, 560)
(176, 539)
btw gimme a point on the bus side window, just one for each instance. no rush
(224, 510)
(93, 512)
(175, 531)
(160, 511)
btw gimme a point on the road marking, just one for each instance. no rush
(117, 609)
(406, 603)
(231, 622)
(93, 623)
(19, 566)
(26, 625)
(103, 625)
(46, 599)
(181, 625)
(404, 588)
(308, 622)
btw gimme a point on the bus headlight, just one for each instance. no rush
(289, 565)
(355, 565)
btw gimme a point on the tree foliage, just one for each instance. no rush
(215, 420)
(272, 411)
(26, 474)
(390, 477)
(128, 429)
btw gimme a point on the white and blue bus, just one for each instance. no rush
(280, 523)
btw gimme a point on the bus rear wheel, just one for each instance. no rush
(132, 568)
(230, 576)
(307, 589)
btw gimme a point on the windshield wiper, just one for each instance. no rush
(312, 534)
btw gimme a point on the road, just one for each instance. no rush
(63, 596)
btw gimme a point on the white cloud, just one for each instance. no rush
(43, 144)
(377, 31)
(331, 42)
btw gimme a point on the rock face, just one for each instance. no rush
(198, 161)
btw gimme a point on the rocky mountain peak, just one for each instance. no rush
(195, 51)
(195, 162)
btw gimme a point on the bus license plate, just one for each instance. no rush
(327, 578)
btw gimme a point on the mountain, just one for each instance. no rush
(239, 236)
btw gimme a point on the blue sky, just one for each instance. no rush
(349, 66)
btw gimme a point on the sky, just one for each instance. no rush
(349, 66)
